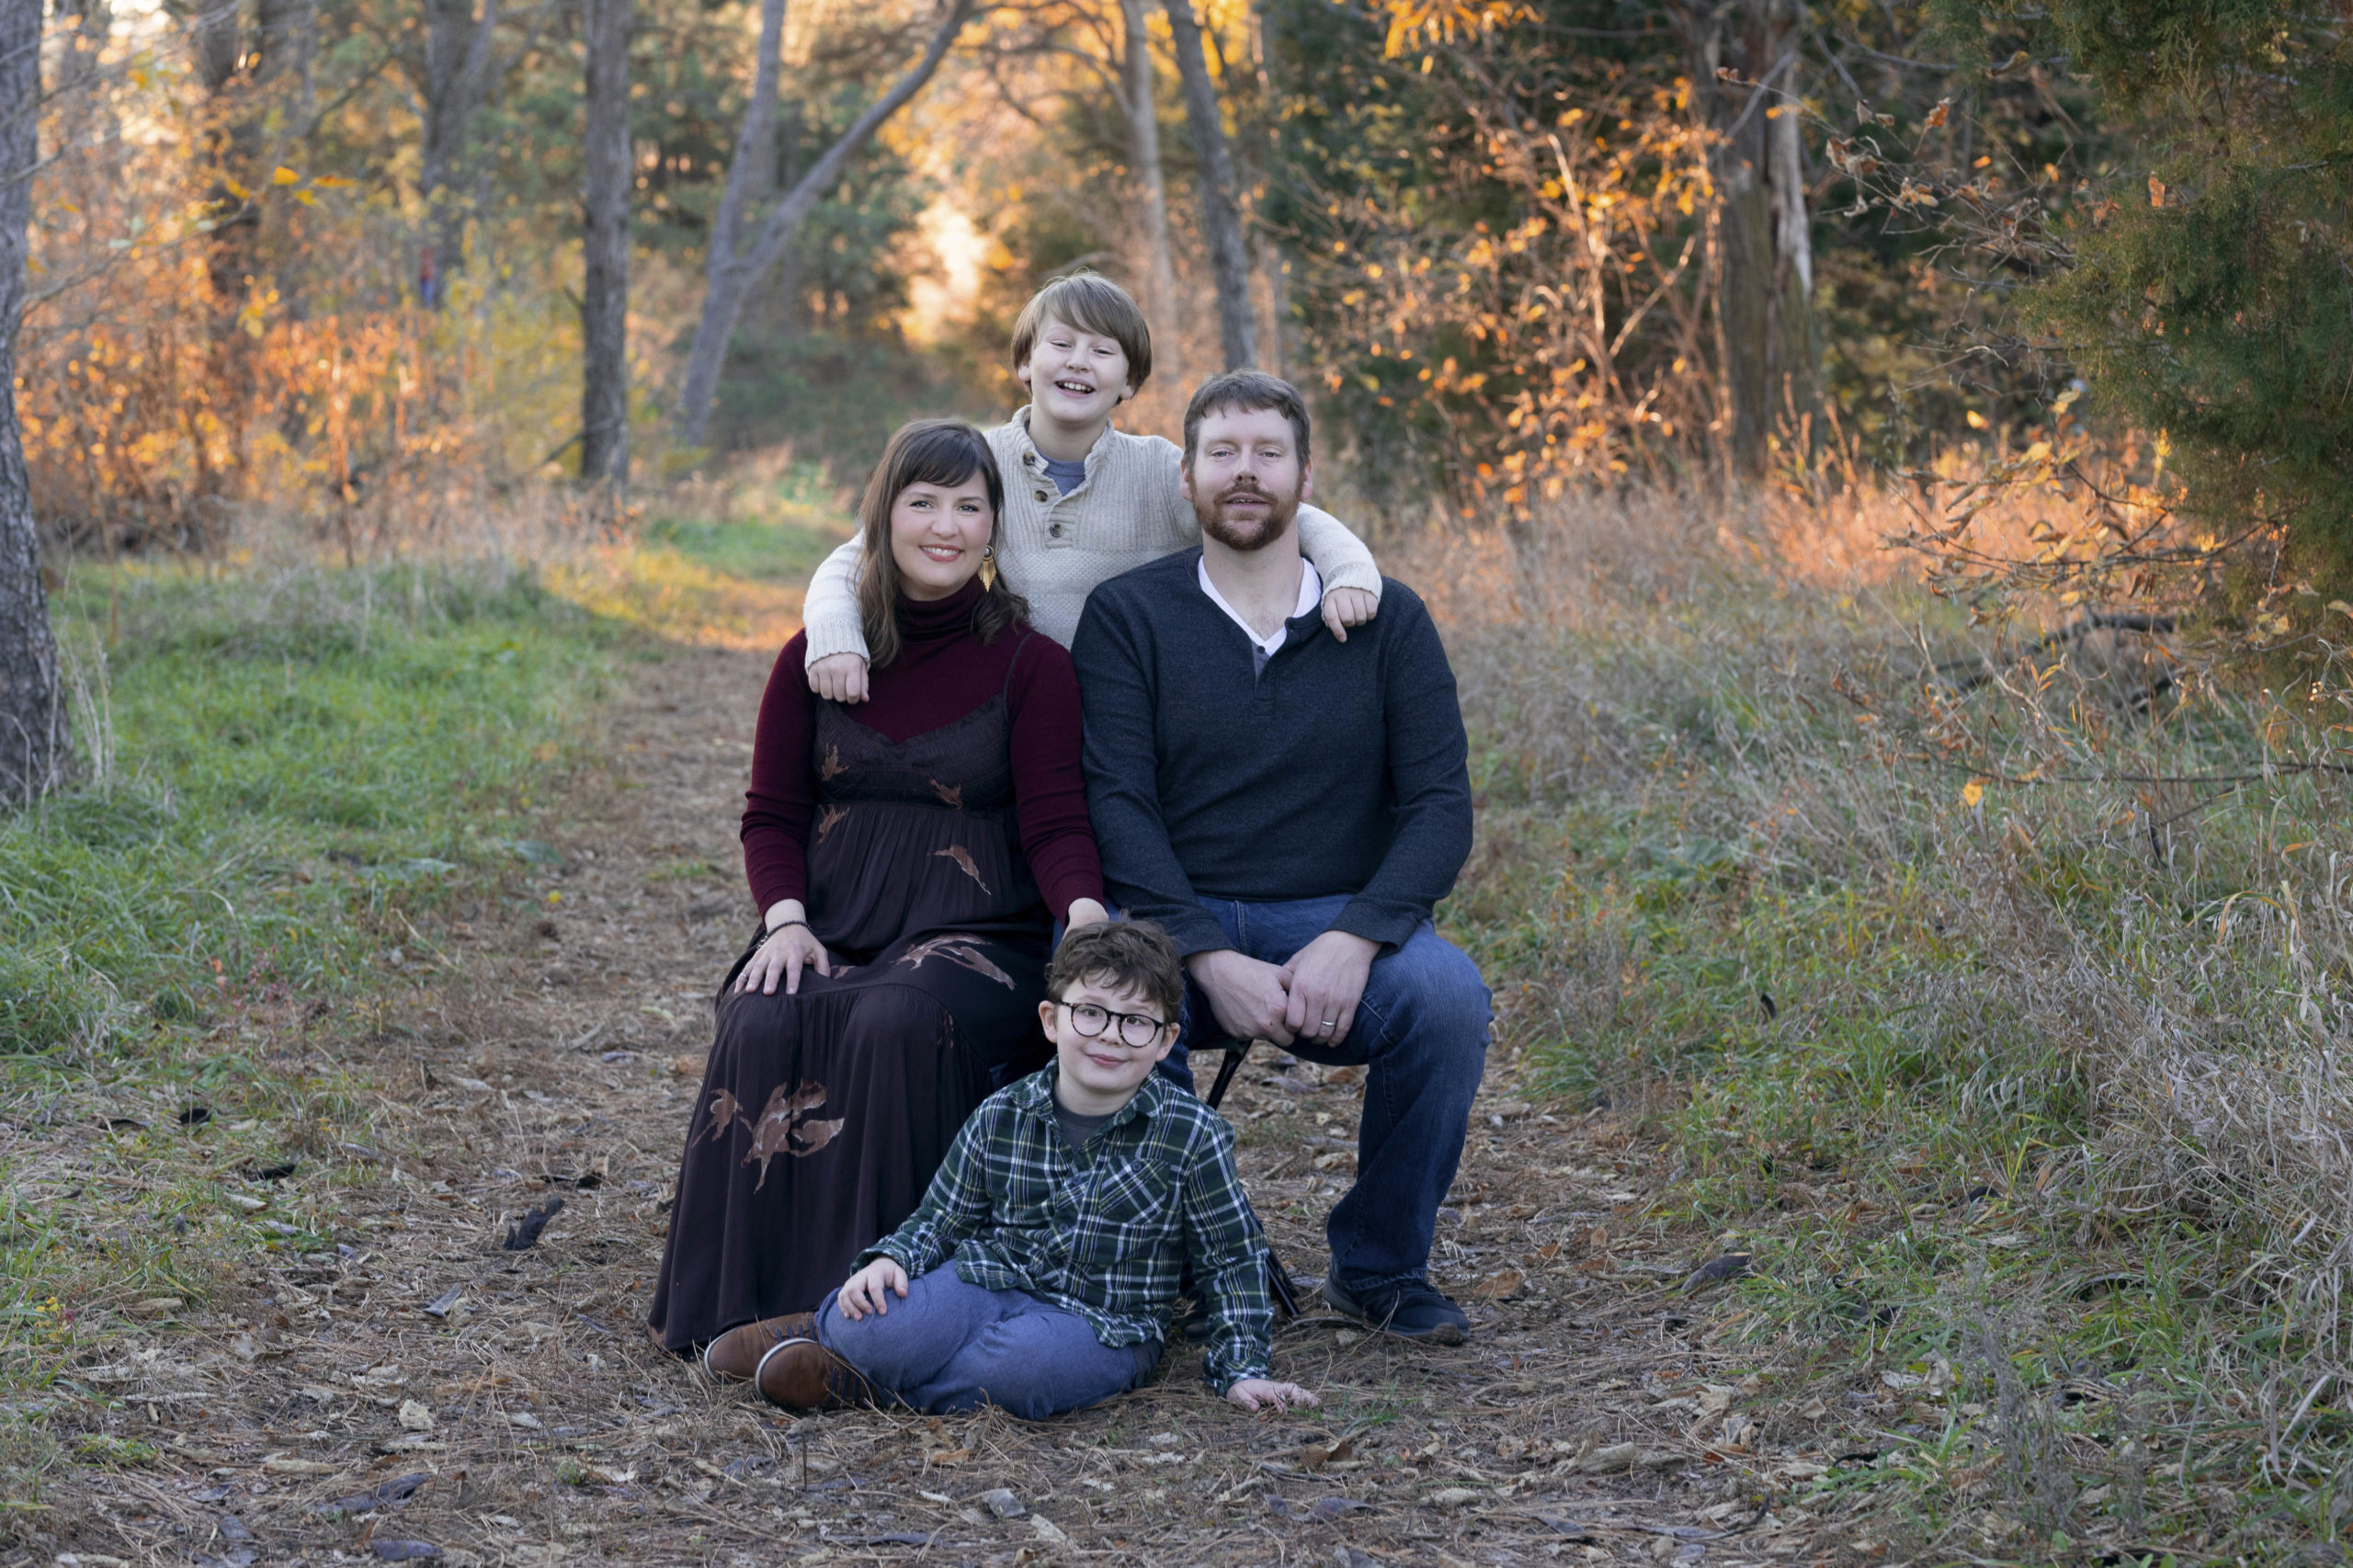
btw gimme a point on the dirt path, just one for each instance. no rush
(516, 1395)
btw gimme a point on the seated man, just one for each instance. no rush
(1040, 1271)
(1291, 807)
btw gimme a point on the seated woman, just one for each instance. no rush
(908, 861)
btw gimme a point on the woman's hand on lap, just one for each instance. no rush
(787, 950)
(1264, 1393)
(1343, 607)
(841, 678)
(868, 1290)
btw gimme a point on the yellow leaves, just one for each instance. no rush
(1972, 793)
(281, 174)
(1416, 21)
(1938, 115)
(1976, 420)
(2156, 191)
(329, 182)
(1914, 193)
(234, 189)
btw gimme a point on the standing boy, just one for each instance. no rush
(1040, 1271)
(1083, 501)
(1292, 809)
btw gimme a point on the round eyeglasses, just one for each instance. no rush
(1136, 1030)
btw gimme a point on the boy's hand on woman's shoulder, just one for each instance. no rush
(1343, 607)
(868, 1290)
(840, 677)
(1264, 1393)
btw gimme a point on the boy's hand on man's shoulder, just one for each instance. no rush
(1264, 1393)
(868, 1290)
(1343, 607)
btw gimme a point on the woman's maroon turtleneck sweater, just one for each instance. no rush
(942, 673)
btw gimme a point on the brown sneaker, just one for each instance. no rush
(802, 1374)
(734, 1357)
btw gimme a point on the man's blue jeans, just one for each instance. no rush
(1422, 1028)
(950, 1346)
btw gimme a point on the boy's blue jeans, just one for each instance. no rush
(1422, 1027)
(950, 1346)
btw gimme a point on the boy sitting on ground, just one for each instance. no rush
(1040, 1273)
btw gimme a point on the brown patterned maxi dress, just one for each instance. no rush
(825, 1114)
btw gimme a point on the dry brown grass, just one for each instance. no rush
(2042, 933)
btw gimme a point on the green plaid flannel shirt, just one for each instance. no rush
(1103, 1234)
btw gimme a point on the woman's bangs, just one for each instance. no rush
(946, 457)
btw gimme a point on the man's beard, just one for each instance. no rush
(1246, 533)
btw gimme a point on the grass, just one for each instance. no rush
(717, 563)
(2011, 1072)
(2021, 1097)
(283, 771)
(292, 782)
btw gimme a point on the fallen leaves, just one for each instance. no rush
(1501, 1287)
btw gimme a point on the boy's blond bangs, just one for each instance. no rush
(1091, 302)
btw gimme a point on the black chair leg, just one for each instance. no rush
(1279, 1281)
(1225, 1072)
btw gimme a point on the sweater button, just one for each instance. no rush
(1042, 496)
(1056, 530)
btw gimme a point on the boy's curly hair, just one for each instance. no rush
(1126, 955)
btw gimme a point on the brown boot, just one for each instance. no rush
(802, 1374)
(734, 1357)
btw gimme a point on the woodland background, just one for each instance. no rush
(1883, 470)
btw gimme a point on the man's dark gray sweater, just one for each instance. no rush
(1340, 769)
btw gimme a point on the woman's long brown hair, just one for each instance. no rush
(928, 451)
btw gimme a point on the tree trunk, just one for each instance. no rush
(457, 73)
(1143, 154)
(1237, 322)
(603, 296)
(289, 33)
(731, 274)
(1765, 254)
(32, 711)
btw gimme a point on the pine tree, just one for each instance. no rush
(2211, 299)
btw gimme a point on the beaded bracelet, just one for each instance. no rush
(786, 925)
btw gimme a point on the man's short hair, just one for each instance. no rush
(1123, 955)
(1245, 392)
(1093, 303)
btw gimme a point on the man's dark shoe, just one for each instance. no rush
(1409, 1309)
(734, 1357)
(802, 1374)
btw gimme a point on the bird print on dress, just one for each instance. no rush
(724, 1112)
(785, 1127)
(826, 823)
(953, 794)
(964, 950)
(832, 766)
(964, 856)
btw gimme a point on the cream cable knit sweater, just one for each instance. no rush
(1057, 548)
